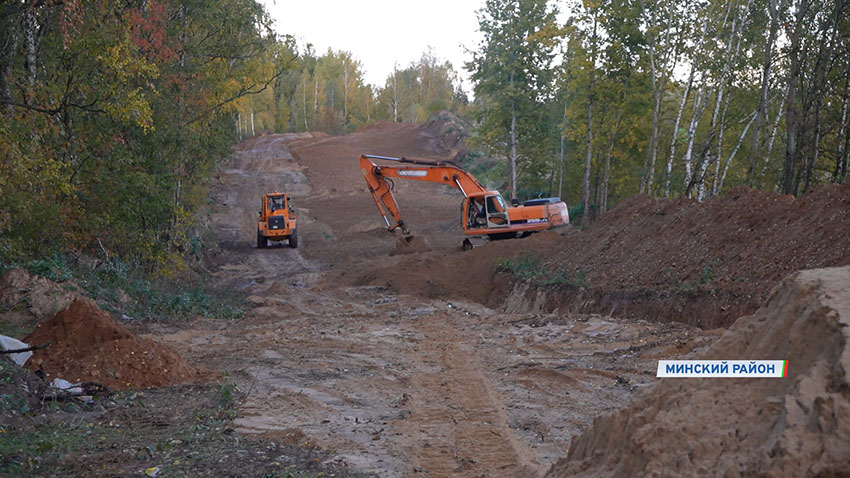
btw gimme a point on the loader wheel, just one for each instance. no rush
(262, 241)
(293, 239)
(467, 245)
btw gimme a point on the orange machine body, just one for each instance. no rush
(277, 220)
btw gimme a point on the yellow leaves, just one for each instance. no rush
(133, 108)
(123, 68)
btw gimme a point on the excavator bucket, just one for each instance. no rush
(410, 244)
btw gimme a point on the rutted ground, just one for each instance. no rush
(397, 384)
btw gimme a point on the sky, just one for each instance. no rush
(383, 33)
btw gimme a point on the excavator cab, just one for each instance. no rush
(486, 211)
(497, 211)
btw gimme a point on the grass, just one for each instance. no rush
(183, 431)
(119, 288)
(527, 268)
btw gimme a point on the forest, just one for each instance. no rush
(115, 113)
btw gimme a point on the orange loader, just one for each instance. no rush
(277, 221)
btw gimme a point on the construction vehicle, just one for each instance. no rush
(483, 212)
(277, 221)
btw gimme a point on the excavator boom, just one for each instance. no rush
(381, 188)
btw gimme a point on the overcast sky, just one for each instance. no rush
(381, 33)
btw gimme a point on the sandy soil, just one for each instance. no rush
(396, 371)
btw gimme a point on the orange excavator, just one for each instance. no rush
(483, 212)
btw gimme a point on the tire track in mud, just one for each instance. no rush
(458, 423)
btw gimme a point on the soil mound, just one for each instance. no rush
(468, 275)
(88, 346)
(702, 263)
(794, 426)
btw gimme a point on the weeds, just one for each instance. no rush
(530, 269)
(118, 287)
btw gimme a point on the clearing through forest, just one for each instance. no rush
(400, 383)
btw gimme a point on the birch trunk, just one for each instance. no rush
(773, 133)
(792, 112)
(765, 85)
(315, 99)
(692, 128)
(735, 151)
(669, 170)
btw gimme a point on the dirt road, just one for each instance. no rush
(420, 382)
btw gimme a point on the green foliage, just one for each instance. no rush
(619, 58)
(125, 112)
(527, 268)
(120, 287)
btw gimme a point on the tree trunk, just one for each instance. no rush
(561, 157)
(315, 99)
(651, 150)
(773, 10)
(513, 151)
(810, 167)
(345, 91)
(792, 112)
(692, 129)
(735, 151)
(304, 97)
(842, 128)
(602, 207)
(31, 43)
(588, 142)
(772, 137)
(669, 170)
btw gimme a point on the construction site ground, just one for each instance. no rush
(418, 359)
(392, 361)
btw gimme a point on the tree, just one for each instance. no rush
(511, 73)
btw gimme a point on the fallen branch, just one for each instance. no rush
(28, 349)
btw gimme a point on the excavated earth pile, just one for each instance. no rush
(701, 263)
(87, 345)
(794, 426)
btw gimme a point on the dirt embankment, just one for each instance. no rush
(705, 264)
(796, 426)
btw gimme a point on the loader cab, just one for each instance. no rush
(275, 202)
(486, 210)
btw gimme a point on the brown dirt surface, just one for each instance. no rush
(87, 345)
(799, 426)
(705, 264)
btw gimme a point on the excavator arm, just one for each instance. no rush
(381, 186)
